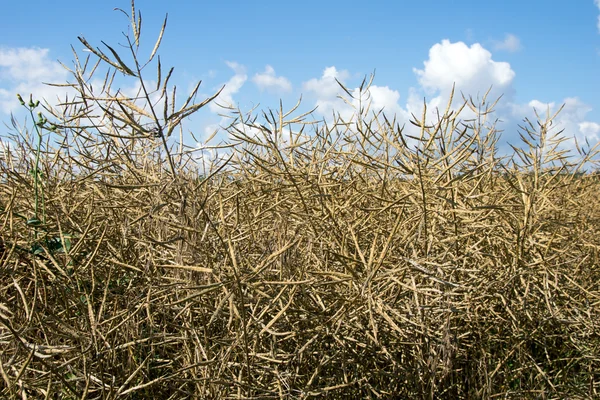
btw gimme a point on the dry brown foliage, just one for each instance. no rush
(342, 260)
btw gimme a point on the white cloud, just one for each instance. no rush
(473, 72)
(27, 64)
(590, 130)
(209, 158)
(471, 68)
(510, 43)
(24, 71)
(269, 81)
(225, 99)
(540, 106)
(326, 90)
(210, 129)
(326, 86)
(571, 120)
(383, 98)
(415, 103)
(233, 86)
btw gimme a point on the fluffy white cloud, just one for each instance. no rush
(233, 86)
(24, 71)
(382, 98)
(571, 120)
(473, 72)
(510, 43)
(31, 64)
(326, 86)
(326, 90)
(415, 103)
(225, 99)
(470, 68)
(590, 130)
(270, 81)
(574, 109)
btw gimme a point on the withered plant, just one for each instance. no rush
(341, 259)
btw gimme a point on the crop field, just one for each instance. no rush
(328, 260)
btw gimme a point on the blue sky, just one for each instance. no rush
(537, 53)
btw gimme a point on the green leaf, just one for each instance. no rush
(55, 245)
(36, 249)
(34, 222)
